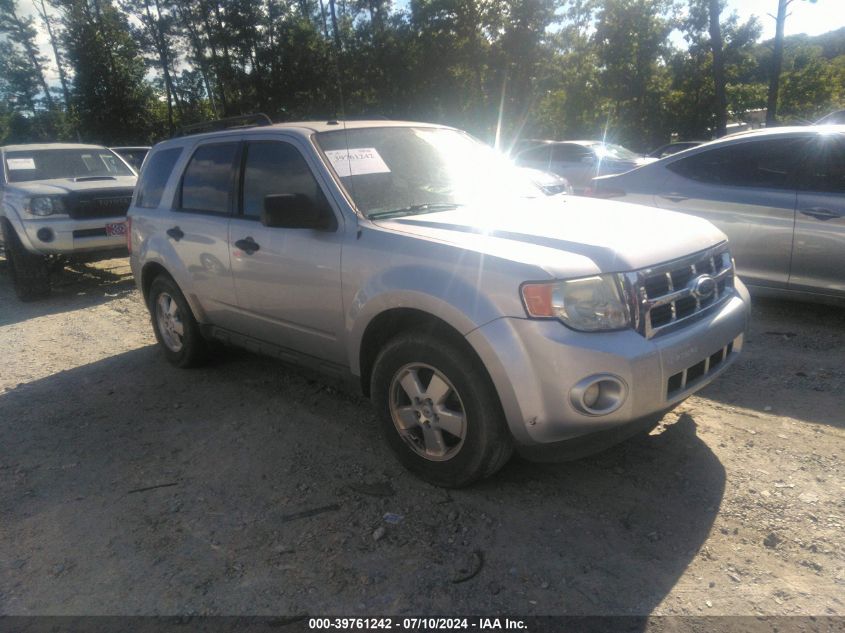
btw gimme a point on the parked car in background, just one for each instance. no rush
(132, 155)
(779, 195)
(673, 148)
(60, 202)
(834, 118)
(419, 264)
(549, 183)
(581, 161)
(526, 143)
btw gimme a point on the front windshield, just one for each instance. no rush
(402, 170)
(47, 164)
(614, 152)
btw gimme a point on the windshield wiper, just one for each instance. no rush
(415, 209)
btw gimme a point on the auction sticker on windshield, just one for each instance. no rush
(20, 163)
(357, 161)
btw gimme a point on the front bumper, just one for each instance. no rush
(70, 236)
(536, 364)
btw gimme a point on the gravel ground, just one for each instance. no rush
(244, 487)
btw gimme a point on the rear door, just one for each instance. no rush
(289, 286)
(747, 190)
(198, 227)
(818, 262)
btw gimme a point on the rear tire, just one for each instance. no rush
(175, 327)
(438, 411)
(30, 273)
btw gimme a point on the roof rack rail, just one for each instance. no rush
(244, 120)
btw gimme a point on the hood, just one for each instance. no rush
(568, 236)
(62, 186)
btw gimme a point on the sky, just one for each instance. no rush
(805, 17)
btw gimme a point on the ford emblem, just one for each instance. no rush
(704, 287)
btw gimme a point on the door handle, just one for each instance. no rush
(821, 213)
(247, 245)
(674, 197)
(176, 233)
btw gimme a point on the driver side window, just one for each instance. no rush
(273, 168)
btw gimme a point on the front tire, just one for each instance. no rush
(439, 411)
(175, 327)
(30, 273)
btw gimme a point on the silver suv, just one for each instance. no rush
(479, 314)
(60, 202)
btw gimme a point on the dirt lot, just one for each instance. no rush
(129, 487)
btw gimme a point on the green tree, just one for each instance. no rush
(632, 48)
(25, 63)
(111, 97)
(777, 61)
(808, 87)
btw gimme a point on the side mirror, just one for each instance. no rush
(296, 211)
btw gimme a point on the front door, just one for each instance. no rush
(287, 280)
(748, 191)
(818, 261)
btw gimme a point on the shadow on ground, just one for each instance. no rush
(792, 348)
(130, 487)
(73, 287)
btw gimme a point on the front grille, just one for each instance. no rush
(692, 375)
(669, 295)
(99, 204)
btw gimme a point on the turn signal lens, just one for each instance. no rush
(538, 299)
(589, 304)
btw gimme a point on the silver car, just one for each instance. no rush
(581, 161)
(778, 194)
(480, 315)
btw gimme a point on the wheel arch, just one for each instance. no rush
(394, 321)
(149, 272)
(155, 268)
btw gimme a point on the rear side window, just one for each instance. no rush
(825, 170)
(543, 154)
(271, 168)
(570, 153)
(207, 183)
(768, 163)
(154, 177)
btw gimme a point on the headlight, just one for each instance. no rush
(589, 304)
(45, 205)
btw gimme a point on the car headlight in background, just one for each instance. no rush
(45, 205)
(590, 304)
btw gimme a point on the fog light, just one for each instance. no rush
(46, 235)
(591, 395)
(599, 395)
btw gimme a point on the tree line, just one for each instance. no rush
(135, 71)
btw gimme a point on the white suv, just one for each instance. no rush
(59, 202)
